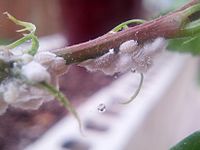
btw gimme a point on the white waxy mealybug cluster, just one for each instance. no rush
(19, 95)
(35, 72)
(131, 56)
(42, 67)
(54, 64)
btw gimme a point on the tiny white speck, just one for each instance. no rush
(111, 51)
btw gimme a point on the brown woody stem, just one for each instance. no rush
(168, 26)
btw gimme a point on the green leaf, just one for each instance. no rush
(190, 32)
(192, 142)
(27, 25)
(187, 44)
(31, 36)
(63, 100)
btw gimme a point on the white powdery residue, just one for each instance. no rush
(130, 57)
(5, 54)
(31, 98)
(142, 59)
(11, 92)
(35, 72)
(44, 66)
(141, 62)
(128, 46)
(20, 95)
(32, 104)
(54, 64)
(45, 58)
(105, 63)
(58, 67)
(123, 64)
(156, 46)
(26, 58)
(109, 63)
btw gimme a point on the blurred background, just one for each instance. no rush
(164, 112)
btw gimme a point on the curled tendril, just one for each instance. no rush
(31, 36)
(125, 24)
(137, 91)
(118, 28)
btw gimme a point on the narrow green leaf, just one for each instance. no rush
(63, 100)
(31, 36)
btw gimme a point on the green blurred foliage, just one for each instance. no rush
(190, 44)
(4, 41)
(192, 142)
(187, 44)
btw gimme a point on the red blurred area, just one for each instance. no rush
(86, 19)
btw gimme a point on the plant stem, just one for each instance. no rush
(18, 42)
(168, 26)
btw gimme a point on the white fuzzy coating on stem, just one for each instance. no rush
(130, 57)
(44, 58)
(20, 95)
(54, 64)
